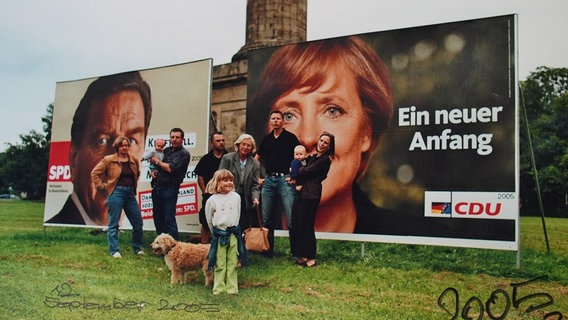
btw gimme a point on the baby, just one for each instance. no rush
(158, 151)
(299, 160)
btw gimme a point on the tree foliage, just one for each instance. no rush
(545, 97)
(23, 168)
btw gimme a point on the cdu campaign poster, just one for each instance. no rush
(425, 121)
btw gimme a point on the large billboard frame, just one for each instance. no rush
(435, 72)
(178, 95)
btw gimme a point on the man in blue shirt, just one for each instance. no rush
(166, 181)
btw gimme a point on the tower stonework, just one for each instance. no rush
(273, 23)
(269, 23)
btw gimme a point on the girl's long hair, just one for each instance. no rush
(214, 185)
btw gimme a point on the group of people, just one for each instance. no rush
(234, 187)
(339, 85)
(294, 182)
(343, 88)
(231, 186)
(116, 177)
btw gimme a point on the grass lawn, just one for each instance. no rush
(66, 273)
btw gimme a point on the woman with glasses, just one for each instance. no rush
(245, 169)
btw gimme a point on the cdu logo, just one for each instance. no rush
(476, 205)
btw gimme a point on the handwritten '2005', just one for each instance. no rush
(188, 307)
(475, 306)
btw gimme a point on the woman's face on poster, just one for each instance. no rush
(335, 107)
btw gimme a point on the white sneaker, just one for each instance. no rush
(116, 255)
(140, 252)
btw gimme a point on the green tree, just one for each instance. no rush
(24, 164)
(4, 184)
(545, 96)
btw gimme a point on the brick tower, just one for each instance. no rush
(269, 23)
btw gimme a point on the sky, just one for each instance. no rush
(45, 42)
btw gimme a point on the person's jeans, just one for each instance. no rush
(274, 190)
(123, 198)
(164, 200)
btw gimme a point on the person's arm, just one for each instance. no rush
(147, 155)
(201, 183)
(136, 168)
(294, 168)
(238, 207)
(255, 187)
(97, 175)
(314, 168)
(258, 157)
(161, 164)
(199, 171)
(209, 211)
(225, 162)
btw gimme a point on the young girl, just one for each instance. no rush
(222, 211)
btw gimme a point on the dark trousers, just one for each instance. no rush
(164, 200)
(302, 234)
(244, 219)
(202, 218)
(205, 232)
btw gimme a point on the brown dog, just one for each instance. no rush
(181, 257)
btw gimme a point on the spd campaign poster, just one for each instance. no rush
(425, 126)
(89, 114)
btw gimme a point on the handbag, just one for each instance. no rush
(256, 239)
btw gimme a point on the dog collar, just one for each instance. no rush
(171, 249)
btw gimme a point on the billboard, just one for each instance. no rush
(425, 122)
(84, 130)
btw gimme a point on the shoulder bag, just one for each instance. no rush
(256, 239)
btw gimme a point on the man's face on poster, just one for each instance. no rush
(121, 113)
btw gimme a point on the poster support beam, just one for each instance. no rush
(533, 163)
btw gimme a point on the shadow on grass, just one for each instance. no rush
(82, 235)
